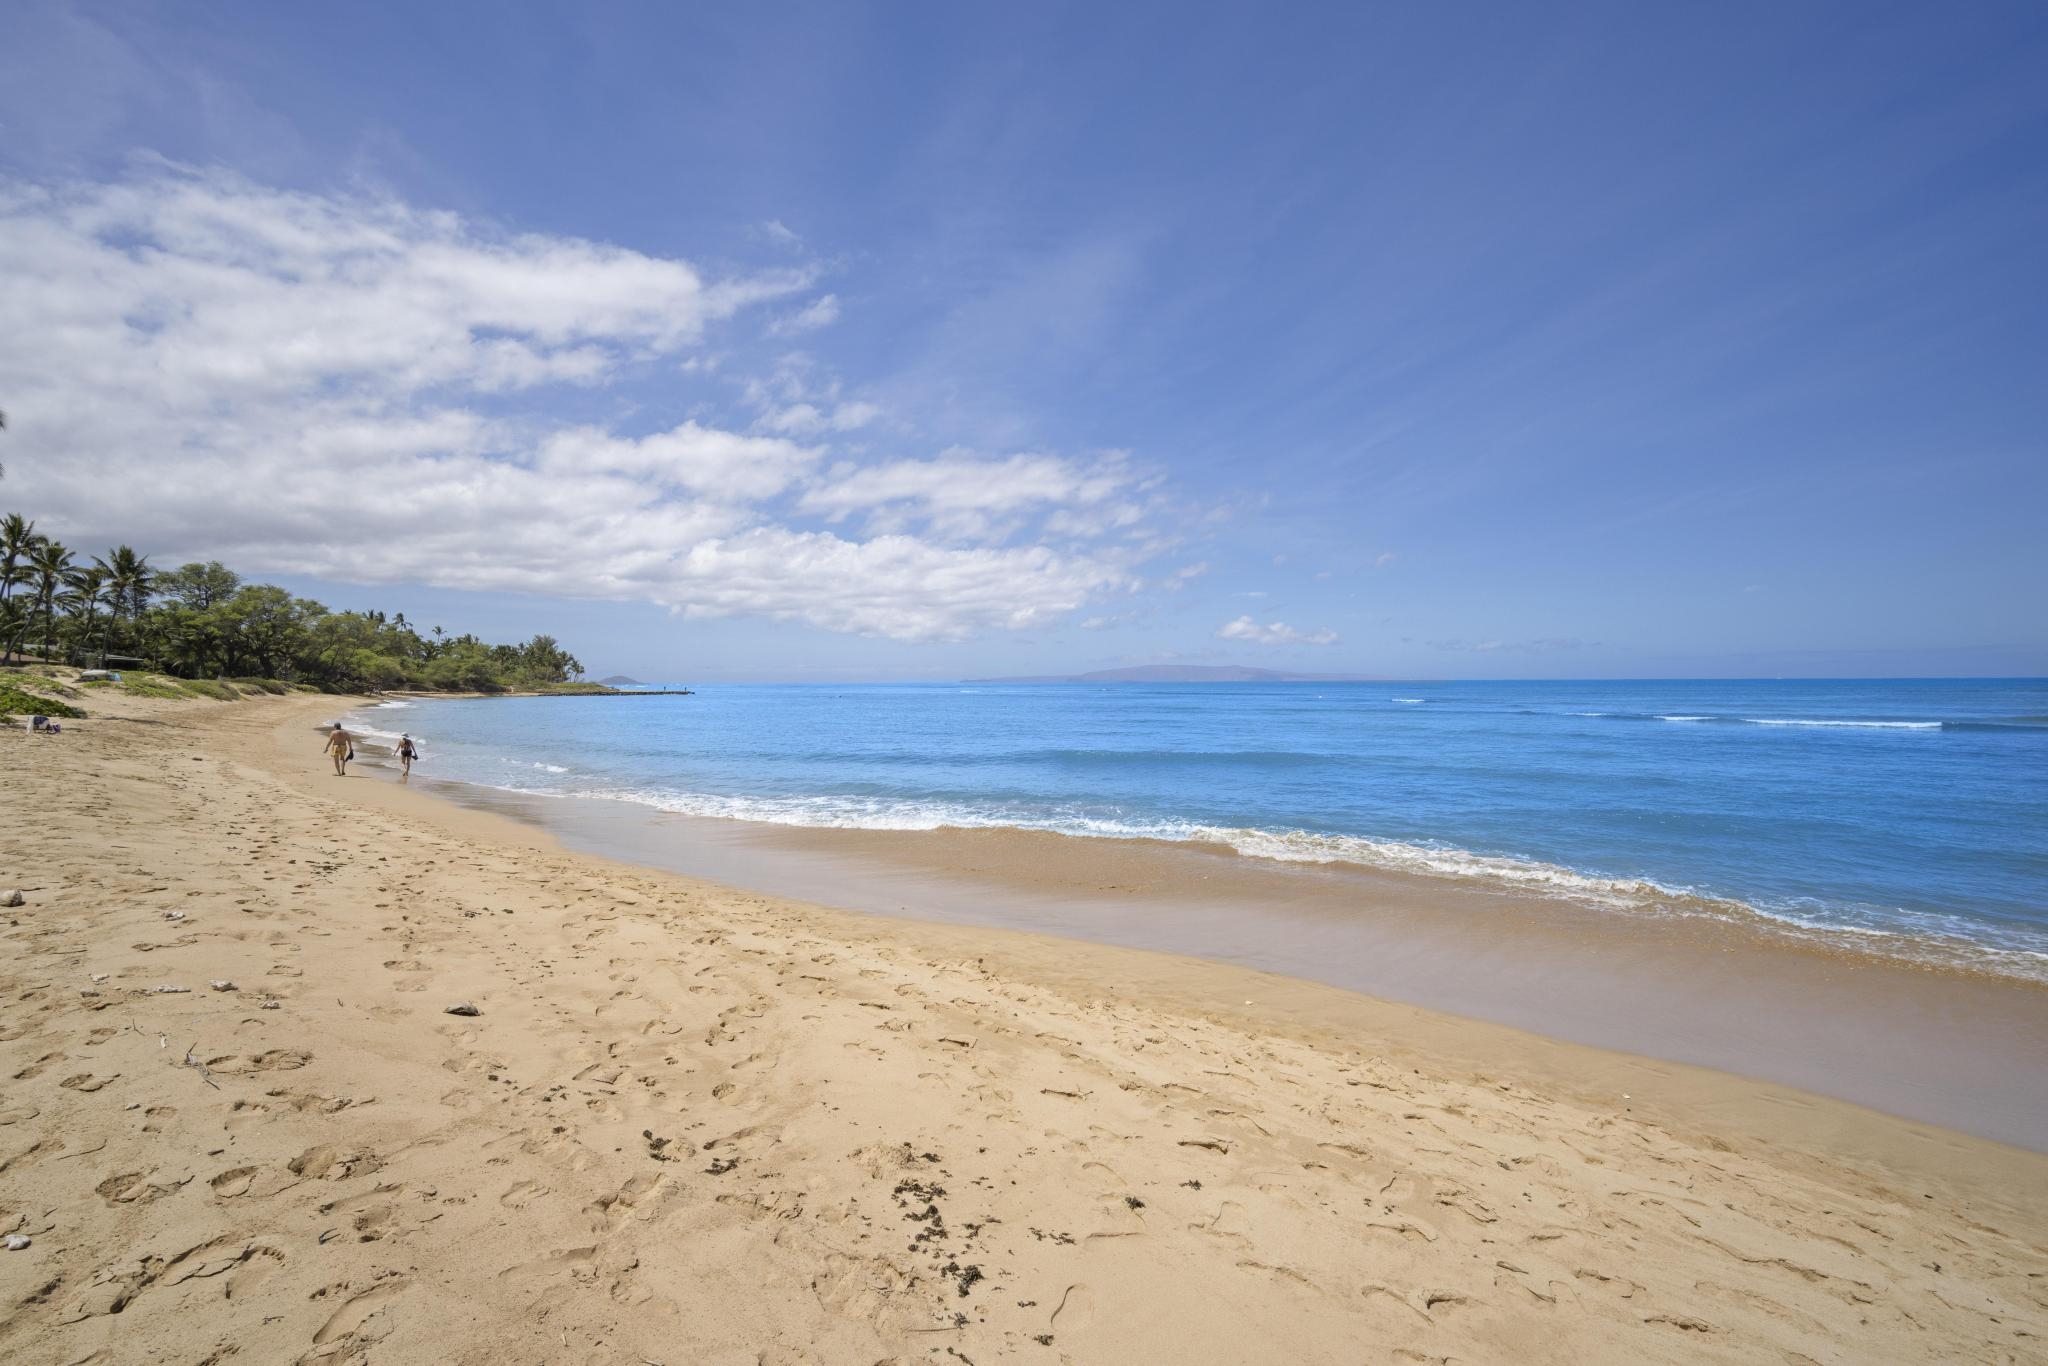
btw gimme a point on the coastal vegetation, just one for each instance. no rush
(16, 701)
(205, 632)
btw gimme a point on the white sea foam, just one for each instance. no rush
(1283, 846)
(1412, 701)
(1952, 941)
(1852, 725)
(1816, 722)
(361, 728)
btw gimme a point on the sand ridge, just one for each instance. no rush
(692, 1124)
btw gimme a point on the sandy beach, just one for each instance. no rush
(697, 1124)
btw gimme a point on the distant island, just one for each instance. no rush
(1184, 673)
(621, 681)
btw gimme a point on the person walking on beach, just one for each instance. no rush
(341, 748)
(407, 752)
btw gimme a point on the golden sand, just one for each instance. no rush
(695, 1125)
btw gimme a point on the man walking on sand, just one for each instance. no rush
(341, 748)
(407, 751)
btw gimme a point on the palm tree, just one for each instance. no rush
(48, 563)
(17, 538)
(14, 620)
(128, 577)
(88, 591)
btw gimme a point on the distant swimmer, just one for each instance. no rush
(407, 752)
(341, 747)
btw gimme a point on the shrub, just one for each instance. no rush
(16, 701)
(152, 685)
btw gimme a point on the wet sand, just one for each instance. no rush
(1962, 1050)
(694, 1123)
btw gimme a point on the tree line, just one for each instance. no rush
(203, 621)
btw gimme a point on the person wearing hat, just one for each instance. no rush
(407, 751)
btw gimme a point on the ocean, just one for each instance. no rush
(1905, 818)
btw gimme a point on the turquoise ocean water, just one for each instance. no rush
(1907, 817)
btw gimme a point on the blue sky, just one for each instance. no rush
(923, 341)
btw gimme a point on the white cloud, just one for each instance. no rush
(1183, 576)
(777, 231)
(964, 496)
(1273, 633)
(809, 418)
(721, 465)
(821, 312)
(891, 585)
(1386, 557)
(355, 388)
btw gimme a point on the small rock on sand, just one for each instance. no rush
(11, 898)
(16, 1242)
(463, 1008)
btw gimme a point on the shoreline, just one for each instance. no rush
(1994, 948)
(1955, 1047)
(894, 1136)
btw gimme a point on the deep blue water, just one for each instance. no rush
(1914, 808)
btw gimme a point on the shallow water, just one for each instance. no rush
(1912, 816)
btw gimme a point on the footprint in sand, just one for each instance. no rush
(107, 1296)
(85, 1081)
(324, 1163)
(355, 1316)
(372, 1224)
(245, 1264)
(233, 1182)
(135, 1188)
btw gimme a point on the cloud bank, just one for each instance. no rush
(1273, 633)
(349, 386)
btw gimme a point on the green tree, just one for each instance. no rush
(48, 563)
(129, 579)
(268, 628)
(82, 604)
(14, 623)
(17, 538)
(197, 585)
